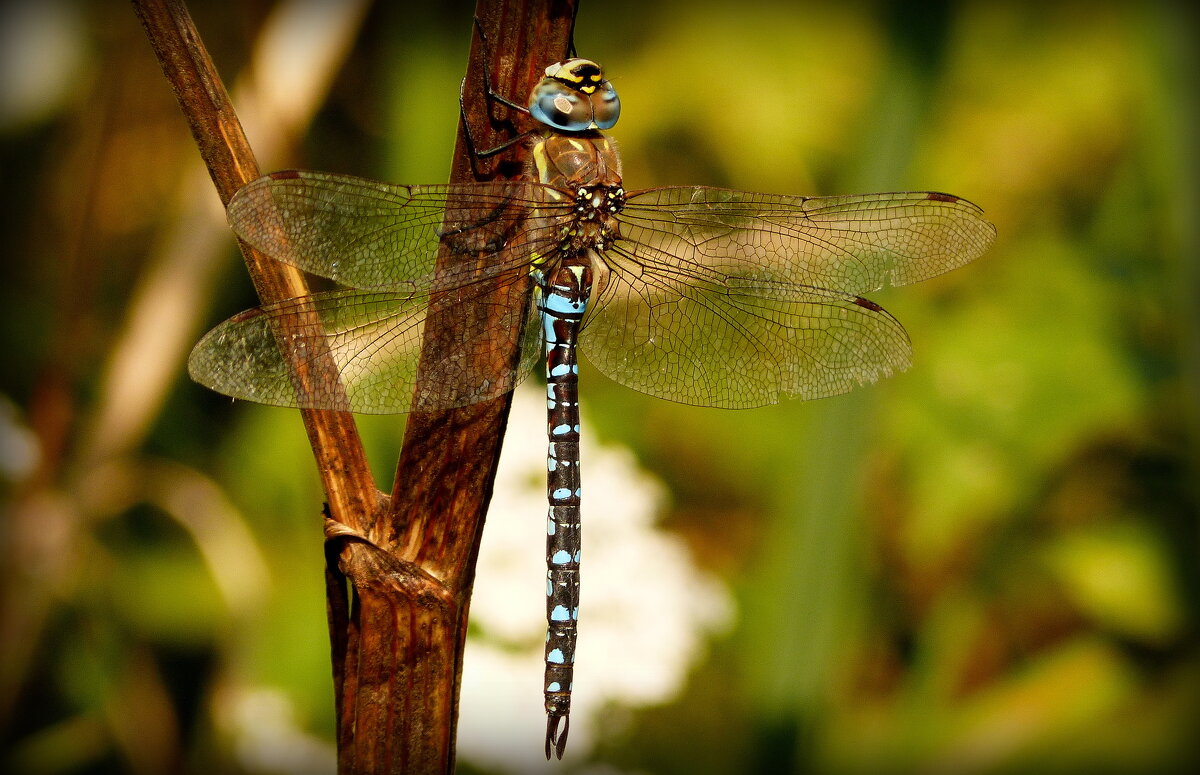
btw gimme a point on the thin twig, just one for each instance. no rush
(277, 95)
(231, 164)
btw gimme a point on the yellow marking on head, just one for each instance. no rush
(569, 73)
(573, 71)
(587, 89)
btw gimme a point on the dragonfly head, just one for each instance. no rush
(574, 97)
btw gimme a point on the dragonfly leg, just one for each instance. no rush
(487, 74)
(492, 94)
(476, 152)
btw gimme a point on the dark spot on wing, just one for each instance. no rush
(860, 301)
(247, 315)
(935, 196)
(284, 175)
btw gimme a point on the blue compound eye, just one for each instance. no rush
(574, 97)
(560, 107)
(606, 106)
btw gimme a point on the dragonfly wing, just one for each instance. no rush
(367, 234)
(733, 341)
(849, 244)
(360, 351)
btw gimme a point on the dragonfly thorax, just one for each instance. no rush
(574, 97)
(596, 202)
(593, 226)
(570, 161)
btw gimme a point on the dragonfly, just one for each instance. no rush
(700, 295)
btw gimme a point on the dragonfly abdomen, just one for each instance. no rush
(562, 301)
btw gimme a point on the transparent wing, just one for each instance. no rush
(366, 234)
(848, 244)
(359, 351)
(733, 342)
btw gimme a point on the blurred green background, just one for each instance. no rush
(986, 564)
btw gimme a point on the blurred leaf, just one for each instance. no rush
(1004, 388)
(1049, 702)
(168, 594)
(1118, 574)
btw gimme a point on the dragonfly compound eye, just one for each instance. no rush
(574, 97)
(606, 106)
(560, 107)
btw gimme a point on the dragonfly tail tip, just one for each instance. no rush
(556, 739)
